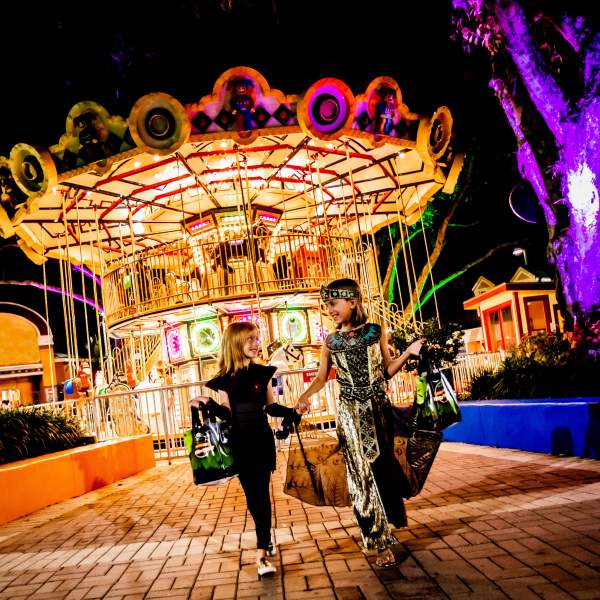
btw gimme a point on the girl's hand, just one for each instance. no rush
(303, 405)
(415, 348)
(195, 402)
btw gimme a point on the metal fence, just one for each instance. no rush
(164, 412)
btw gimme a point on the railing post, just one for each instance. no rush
(165, 420)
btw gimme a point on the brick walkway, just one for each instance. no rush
(489, 524)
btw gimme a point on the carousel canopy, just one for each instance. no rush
(328, 159)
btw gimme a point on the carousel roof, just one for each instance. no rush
(325, 159)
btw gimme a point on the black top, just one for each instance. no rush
(251, 436)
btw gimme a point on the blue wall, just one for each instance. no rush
(569, 426)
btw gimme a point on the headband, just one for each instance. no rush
(334, 294)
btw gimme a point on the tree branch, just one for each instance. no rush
(543, 90)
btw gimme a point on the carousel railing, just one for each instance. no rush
(193, 271)
(164, 412)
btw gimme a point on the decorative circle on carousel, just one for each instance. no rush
(327, 108)
(435, 137)
(293, 326)
(159, 124)
(33, 170)
(205, 337)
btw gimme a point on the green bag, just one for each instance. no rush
(208, 446)
(436, 405)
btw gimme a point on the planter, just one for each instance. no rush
(565, 426)
(31, 484)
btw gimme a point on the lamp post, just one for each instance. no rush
(518, 251)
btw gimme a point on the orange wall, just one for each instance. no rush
(31, 484)
(18, 341)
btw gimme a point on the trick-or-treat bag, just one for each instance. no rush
(316, 470)
(436, 406)
(208, 446)
(418, 428)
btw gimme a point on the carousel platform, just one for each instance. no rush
(567, 426)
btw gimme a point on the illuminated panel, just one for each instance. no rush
(204, 337)
(269, 216)
(178, 345)
(293, 326)
(318, 330)
(258, 320)
(196, 225)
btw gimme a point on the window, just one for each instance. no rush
(10, 398)
(500, 328)
(537, 313)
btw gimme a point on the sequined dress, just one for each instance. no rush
(376, 481)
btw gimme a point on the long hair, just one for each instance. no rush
(231, 357)
(359, 314)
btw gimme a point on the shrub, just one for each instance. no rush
(25, 433)
(542, 366)
(443, 341)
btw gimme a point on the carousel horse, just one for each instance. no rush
(285, 356)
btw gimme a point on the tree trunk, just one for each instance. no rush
(557, 127)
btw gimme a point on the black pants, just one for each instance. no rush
(256, 485)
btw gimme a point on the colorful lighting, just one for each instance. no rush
(177, 344)
(293, 326)
(205, 337)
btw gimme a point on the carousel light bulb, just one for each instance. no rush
(137, 164)
(402, 154)
(156, 158)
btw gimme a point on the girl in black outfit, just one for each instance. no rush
(246, 397)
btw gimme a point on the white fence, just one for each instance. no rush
(164, 412)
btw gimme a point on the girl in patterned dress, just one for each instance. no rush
(358, 350)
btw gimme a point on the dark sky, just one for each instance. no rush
(115, 52)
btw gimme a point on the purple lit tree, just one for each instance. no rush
(545, 74)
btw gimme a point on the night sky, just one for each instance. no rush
(115, 52)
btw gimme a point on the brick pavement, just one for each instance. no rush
(489, 524)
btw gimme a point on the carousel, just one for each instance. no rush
(235, 207)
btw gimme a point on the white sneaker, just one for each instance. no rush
(265, 567)
(271, 550)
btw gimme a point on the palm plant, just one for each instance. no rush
(25, 432)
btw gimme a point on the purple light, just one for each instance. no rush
(87, 273)
(56, 290)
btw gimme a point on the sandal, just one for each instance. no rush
(386, 560)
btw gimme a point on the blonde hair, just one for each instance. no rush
(231, 357)
(359, 314)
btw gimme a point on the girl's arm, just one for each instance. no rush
(303, 404)
(392, 365)
(222, 409)
(274, 409)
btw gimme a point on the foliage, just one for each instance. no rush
(543, 366)
(443, 341)
(543, 349)
(25, 433)
(586, 337)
